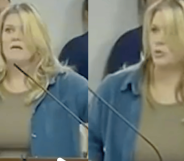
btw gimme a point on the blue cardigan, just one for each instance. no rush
(126, 51)
(75, 53)
(110, 139)
(53, 131)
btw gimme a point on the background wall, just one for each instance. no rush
(63, 18)
(108, 19)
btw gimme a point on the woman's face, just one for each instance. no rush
(160, 51)
(13, 44)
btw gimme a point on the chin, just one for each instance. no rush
(161, 63)
(17, 61)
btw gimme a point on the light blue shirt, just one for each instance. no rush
(110, 139)
(54, 132)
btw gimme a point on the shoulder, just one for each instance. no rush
(71, 80)
(77, 41)
(131, 35)
(120, 80)
(77, 47)
(134, 31)
(116, 87)
(70, 86)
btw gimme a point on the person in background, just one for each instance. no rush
(149, 94)
(75, 52)
(127, 49)
(31, 122)
(4, 4)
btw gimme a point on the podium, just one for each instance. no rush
(42, 159)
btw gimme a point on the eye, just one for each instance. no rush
(154, 29)
(8, 30)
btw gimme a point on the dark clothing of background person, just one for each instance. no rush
(75, 53)
(126, 51)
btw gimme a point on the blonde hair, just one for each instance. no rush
(38, 41)
(173, 11)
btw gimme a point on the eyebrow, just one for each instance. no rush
(8, 25)
(12, 25)
(153, 25)
(156, 25)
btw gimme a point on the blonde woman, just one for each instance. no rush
(31, 123)
(150, 95)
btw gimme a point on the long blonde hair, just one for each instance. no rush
(173, 10)
(37, 41)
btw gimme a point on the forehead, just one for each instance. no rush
(159, 19)
(12, 19)
(3, 4)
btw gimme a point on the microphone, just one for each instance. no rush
(53, 97)
(23, 158)
(127, 122)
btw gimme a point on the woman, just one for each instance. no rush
(150, 95)
(31, 122)
(127, 49)
(75, 52)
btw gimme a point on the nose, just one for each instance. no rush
(159, 43)
(160, 38)
(17, 35)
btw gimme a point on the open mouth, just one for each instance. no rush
(16, 47)
(159, 53)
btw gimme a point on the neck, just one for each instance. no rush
(15, 79)
(167, 76)
(14, 74)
